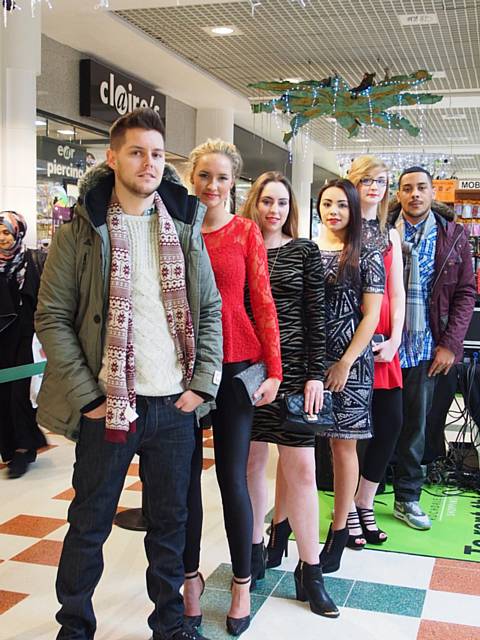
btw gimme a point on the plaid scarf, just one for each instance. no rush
(415, 311)
(121, 397)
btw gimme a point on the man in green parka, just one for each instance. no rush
(130, 319)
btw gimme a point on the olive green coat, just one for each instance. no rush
(73, 301)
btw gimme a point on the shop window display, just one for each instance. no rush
(65, 152)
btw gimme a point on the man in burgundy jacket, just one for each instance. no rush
(440, 298)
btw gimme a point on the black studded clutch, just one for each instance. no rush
(298, 421)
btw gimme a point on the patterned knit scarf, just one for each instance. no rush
(121, 397)
(415, 312)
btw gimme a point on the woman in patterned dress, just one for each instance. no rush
(354, 283)
(370, 176)
(238, 256)
(296, 279)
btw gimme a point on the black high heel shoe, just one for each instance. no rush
(193, 622)
(332, 551)
(236, 626)
(309, 587)
(278, 543)
(259, 559)
(353, 522)
(367, 519)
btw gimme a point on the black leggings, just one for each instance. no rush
(232, 425)
(387, 418)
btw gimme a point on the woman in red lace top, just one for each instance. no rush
(238, 257)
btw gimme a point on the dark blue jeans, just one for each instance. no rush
(164, 440)
(418, 391)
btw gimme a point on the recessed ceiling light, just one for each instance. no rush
(362, 140)
(222, 31)
(66, 132)
(417, 19)
(455, 116)
(438, 75)
(40, 123)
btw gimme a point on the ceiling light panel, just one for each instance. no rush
(219, 31)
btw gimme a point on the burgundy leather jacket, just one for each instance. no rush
(453, 290)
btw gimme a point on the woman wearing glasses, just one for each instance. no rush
(370, 176)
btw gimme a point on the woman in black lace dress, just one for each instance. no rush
(296, 280)
(354, 283)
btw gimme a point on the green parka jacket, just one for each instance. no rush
(72, 308)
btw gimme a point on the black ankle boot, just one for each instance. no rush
(332, 551)
(259, 559)
(18, 465)
(309, 586)
(278, 543)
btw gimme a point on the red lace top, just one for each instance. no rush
(238, 255)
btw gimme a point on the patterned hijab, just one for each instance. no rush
(12, 260)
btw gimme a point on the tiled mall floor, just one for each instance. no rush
(381, 595)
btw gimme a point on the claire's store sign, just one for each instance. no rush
(60, 160)
(106, 94)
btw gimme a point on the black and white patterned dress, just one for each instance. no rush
(297, 282)
(343, 313)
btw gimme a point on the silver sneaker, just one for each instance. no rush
(412, 514)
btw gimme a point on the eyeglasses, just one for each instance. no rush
(367, 182)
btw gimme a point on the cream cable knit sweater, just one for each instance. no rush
(158, 372)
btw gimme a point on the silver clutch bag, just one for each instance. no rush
(248, 380)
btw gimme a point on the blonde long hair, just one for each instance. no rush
(250, 208)
(362, 167)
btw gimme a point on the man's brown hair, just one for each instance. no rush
(145, 118)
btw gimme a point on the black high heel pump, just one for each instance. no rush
(236, 626)
(193, 622)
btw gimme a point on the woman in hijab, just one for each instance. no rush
(20, 270)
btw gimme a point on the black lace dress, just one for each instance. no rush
(343, 313)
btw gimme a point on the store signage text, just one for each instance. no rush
(106, 94)
(68, 171)
(124, 101)
(469, 183)
(61, 160)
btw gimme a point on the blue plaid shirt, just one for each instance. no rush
(409, 358)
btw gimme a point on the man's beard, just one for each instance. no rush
(136, 191)
(418, 214)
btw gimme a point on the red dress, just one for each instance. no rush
(388, 375)
(238, 255)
